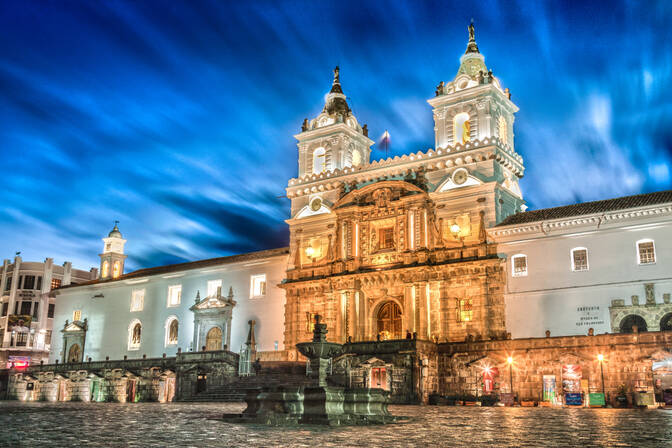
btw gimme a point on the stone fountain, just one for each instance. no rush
(317, 402)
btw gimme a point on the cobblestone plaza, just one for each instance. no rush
(200, 425)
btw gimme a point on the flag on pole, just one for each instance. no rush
(384, 141)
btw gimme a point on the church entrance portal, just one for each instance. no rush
(389, 321)
(213, 340)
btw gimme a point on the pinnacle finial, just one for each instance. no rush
(336, 86)
(471, 46)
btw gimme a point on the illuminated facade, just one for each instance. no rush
(27, 311)
(394, 247)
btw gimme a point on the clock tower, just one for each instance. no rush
(112, 258)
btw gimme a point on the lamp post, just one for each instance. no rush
(509, 360)
(600, 358)
(455, 231)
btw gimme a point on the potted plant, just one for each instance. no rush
(621, 396)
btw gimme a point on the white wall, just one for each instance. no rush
(109, 317)
(553, 297)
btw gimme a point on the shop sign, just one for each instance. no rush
(574, 399)
(571, 378)
(549, 387)
(596, 399)
(490, 375)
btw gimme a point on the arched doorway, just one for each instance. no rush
(389, 321)
(74, 353)
(666, 322)
(629, 321)
(213, 340)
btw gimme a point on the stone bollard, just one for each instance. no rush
(41, 362)
(548, 333)
(107, 358)
(125, 357)
(203, 348)
(144, 356)
(164, 355)
(591, 332)
(179, 349)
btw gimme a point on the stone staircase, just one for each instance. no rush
(271, 374)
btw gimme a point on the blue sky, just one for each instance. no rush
(176, 117)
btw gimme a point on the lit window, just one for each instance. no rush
(29, 282)
(519, 265)
(310, 322)
(386, 236)
(465, 310)
(174, 295)
(356, 158)
(319, 161)
(258, 285)
(172, 327)
(106, 269)
(137, 299)
(77, 315)
(117, 270)
(462, 129)
(646, 252)
(503, 132)
(213, 287)
(580, 259)
(134, 335)
(55, 283)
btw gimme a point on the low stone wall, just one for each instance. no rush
(154, 379)
(627, 364)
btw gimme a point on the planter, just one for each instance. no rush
(527, 404)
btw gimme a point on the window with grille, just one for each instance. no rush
(77, 315)
(55, 283)
(29, 282)
(386, 236)
(465, 310)
(50, 310)
(580, 259)
(646, 252)
(174, 295)
(137, 299)
(519, 263)
(25, 308)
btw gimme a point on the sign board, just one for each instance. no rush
(571, 378)
(573, 399)
(596, 399)
(549, 388)
(644, 399)
(506, 399)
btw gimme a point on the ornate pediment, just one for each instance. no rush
(214, 302)
(379, 194)
(76, 326)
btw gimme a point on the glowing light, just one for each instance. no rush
(310, 251)
(509, 360)
(600, 357)
(455, 228)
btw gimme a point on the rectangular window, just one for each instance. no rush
(579, 259)
(22, 339)
(258, 285)
(36, 308)
(39, 283)
(77, 315)
(213, 286)
(55, 283)
(519, 264)
(50, 310)
(29, 282)
(310, 322)
(137, 299)
(174, 295)
(5, 308)
(646, 252)
(465, 310)
(25, 308)
(8, 283)
(386, 237)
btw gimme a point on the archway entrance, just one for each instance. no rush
(666, 322)
(629, 321)
(74, 353)
(389, 321)
(213, 340)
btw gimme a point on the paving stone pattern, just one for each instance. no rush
(199, 425)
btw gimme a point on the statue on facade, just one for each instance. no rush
(365, 130)
(304, 126)
(439, 89)
(330, 249)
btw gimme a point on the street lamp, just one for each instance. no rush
(600, 358)
(455, 231)
(509, 360)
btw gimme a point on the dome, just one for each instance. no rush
(115, 233)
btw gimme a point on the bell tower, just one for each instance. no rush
(473, 106)
(112, 258)
(334, 140)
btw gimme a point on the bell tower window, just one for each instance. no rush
(462, 128)
(319, 161)
(503, 130)
(356, 158)
(116, 271)
(106, 269)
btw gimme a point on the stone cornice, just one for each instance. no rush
(471, 152)
(574, 222)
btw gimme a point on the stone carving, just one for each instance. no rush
(666, 297)
(649, 294)
(635, 300)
